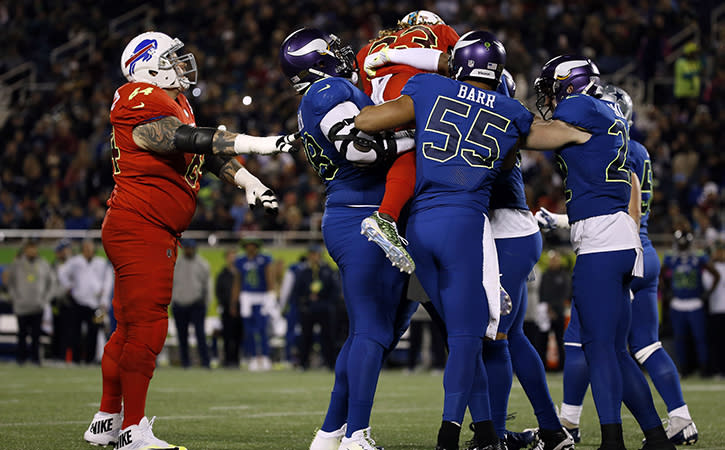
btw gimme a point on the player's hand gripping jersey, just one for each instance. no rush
(160, 188)
(390, 79)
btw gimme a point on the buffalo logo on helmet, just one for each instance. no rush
(143, 52)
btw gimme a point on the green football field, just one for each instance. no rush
(50, 407)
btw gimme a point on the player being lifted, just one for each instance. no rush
(424, 36)
(352, 165)
(600, 191)
(158, 156)
(643, 334)
(516, 234)
(465, 134)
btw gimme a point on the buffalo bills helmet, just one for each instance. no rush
(152, 57)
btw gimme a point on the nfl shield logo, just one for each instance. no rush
(471, 63)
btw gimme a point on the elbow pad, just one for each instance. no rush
(190, 139)
(359, 147)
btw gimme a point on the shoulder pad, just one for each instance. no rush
(328, 92)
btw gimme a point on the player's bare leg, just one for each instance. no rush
(381, 227)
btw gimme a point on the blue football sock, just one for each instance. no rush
(664, 375)
(530, 371)
(636, 394)
(337, 410)
(464, 351)
(497, 361)
(363, 369)
(576, 375)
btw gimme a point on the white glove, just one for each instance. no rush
(256, 192)
(269, 145)
(548, 220)
(375, 60)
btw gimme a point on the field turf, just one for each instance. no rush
(50, 407)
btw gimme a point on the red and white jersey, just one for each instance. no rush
(440, 37)
(160, 188)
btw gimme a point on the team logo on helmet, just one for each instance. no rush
(143, 52)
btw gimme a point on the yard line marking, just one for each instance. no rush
(226, 408)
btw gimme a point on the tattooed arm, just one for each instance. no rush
(230, 170)
(169, 135)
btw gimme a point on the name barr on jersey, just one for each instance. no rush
(470, 93)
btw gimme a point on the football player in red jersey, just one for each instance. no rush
(425, 37)
(158, 155)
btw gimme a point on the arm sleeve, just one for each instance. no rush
(420, 58)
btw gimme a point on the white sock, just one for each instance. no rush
(571, 413)
(682, 412)
(331, 434)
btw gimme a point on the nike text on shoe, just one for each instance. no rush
(104, 429)
(385, 234)
(325, 440)
(360, 440)
(141, 437)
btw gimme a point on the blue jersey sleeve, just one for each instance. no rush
(578, 110)
(524, 120)
(328, 92)
(415, 84)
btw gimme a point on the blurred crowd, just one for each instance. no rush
(55, 165)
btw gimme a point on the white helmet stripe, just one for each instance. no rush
(564, 69)
(315, 45)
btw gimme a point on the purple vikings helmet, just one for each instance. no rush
(562, 76)
(309, 55)
(507, 85)
(478, 55)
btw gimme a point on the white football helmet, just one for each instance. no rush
(151, 57)
(422, 17)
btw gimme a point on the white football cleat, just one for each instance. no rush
(141, 437)
(328, 440)
(104, 429)
(360, 440)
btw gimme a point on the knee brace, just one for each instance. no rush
(642, 354)
(144, 343)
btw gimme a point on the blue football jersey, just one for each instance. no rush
(462, 136)
(686, 270)
(252, 272)
(508, 189)
(596, 173)
(345, 184)
(642, 166)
